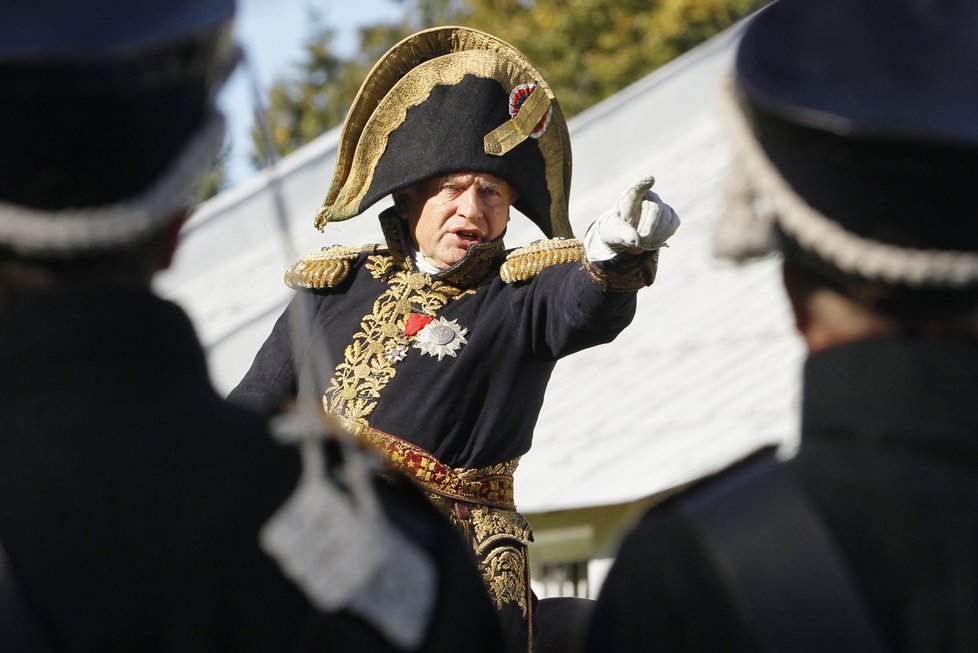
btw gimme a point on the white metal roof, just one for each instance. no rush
(708, 371)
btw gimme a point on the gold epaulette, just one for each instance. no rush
(324, 268)
(524, 263)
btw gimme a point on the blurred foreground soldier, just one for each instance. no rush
(139, 511)
(440, 343)
(855, 129)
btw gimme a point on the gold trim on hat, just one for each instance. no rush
(404, 78)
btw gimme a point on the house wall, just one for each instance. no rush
(588, 538)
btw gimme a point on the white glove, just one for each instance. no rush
(640, 220)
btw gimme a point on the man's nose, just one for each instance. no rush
(470, 204)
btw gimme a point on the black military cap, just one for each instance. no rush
(855, 124)
(450, 99)
(107, 117)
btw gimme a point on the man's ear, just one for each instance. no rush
(402, 203)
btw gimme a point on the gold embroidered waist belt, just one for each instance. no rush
(490, 486)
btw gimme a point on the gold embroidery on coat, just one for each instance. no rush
(365, 370)
(504, 573)
(499, 538)
(380, 266)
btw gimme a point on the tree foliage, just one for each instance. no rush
(591, 49)
(587, 50)
(313, 98)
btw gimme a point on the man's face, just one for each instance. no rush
(447, 215)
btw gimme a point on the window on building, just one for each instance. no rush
(563, 579)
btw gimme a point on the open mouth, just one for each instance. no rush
(469, 237)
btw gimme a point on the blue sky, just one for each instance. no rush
(272, 33)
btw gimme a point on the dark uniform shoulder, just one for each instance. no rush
(327, 267)
(524, 263)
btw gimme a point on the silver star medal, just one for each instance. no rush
(337, 546)
(441, 338)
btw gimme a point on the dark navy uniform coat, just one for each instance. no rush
(889, 461)
(470, 410)
(131, 495)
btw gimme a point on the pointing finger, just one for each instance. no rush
(630, 202)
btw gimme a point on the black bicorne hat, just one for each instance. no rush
(855, 125)
(446, 100)
(108, 116)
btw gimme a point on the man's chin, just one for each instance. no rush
(455, 255)
(447, 260)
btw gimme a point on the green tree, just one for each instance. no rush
(310, 100)
(316, 95)
(587, 50)
(591, 49)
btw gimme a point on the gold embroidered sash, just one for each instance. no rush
(480, 504)
(489, 486)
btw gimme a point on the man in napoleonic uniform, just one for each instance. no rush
(439, 344)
